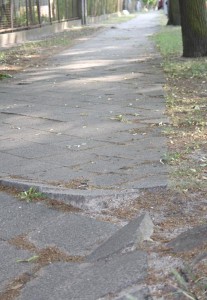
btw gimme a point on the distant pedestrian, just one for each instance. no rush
(160, 4)
(139, 5)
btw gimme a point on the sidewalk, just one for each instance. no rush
(85, 128)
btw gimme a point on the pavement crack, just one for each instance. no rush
(45, 257)
(29, 116)
(14, 288)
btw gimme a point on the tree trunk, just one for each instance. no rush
(194, 27)
(173, 13)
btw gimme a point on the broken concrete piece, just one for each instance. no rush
(125, 239)
(190, 239)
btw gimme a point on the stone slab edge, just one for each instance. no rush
(78, 198)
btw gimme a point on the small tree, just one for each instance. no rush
(194, 27)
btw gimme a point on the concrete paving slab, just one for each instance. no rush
(6, 200)
(74, 234)
(87, 281)
(18, 217)
(10, 268)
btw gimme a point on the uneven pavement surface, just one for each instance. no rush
(84, 128)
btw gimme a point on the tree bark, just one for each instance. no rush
(173, 13)
(194, 27)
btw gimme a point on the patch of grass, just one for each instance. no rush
(169, 41)
(171, 158)
(187, 68)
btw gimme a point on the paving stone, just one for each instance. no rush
(87, 281)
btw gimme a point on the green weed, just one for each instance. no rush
(171, 158)
(120, 118)
(4, 76)
(28, 260)
(30, 195)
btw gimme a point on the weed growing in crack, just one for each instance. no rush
(31, 194)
